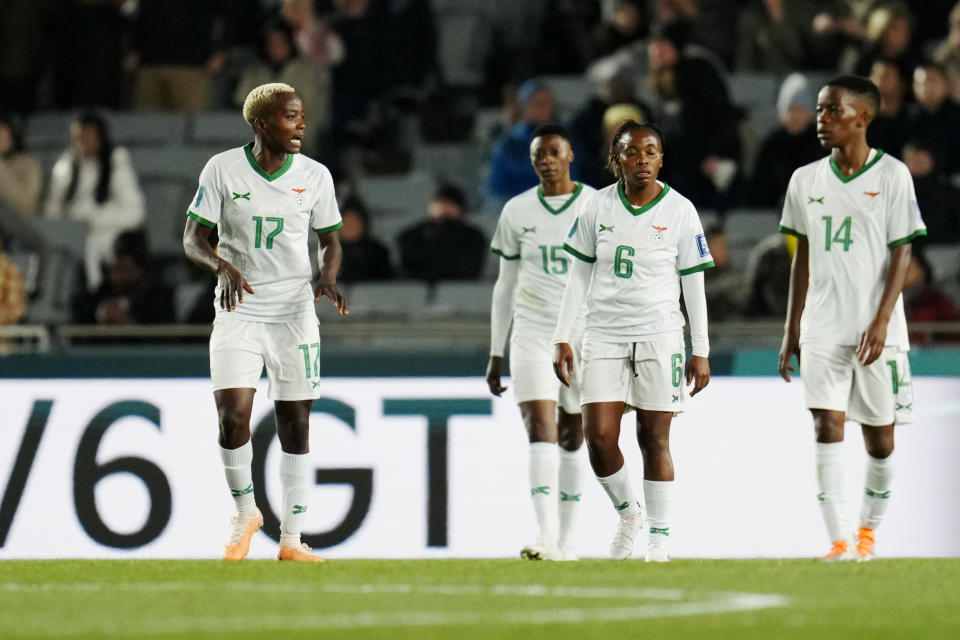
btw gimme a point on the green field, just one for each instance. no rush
(489, 599)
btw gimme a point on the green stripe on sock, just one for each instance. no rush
(236, 493)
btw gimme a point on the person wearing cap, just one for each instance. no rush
(792, 144)
(510, 170)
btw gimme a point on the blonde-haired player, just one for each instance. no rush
(265, 198)
(533, 270)
(854, 214)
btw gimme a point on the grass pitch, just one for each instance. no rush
(501, 599)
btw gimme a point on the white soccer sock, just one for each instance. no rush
(544, 468)
(571, 488)
(829, 457)
(658, 494)
(236, 466)
(876, 493)
(621, 492)
(295, 472)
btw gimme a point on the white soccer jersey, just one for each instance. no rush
(263, 222)
(639, 254)
(851, 223)
(532, 229)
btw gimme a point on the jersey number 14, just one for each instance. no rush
(842, 236)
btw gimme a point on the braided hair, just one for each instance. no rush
(613, 162)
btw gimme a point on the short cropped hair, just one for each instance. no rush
(551, 129)
(260, 97)
(860, 87)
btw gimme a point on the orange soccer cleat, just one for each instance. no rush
(865, 543)
(840, 552)
(297, 554)
(243, 526)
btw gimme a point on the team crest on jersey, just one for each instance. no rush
(873, 202)
(529, 229)
(657, 232)
(299, 193)
(604, 227)
(812, 200)
(702, 246)
(199, 199)
(241, 196)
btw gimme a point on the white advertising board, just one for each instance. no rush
(436, 467)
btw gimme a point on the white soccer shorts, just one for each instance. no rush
(532, 375)
(239, 350)
(645, 375)
(877, 395)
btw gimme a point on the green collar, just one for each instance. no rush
(845, 178)
(270, 177)
(543, 201)
(638, 210)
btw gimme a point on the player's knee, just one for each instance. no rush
(234, 427)
(294, 436)
(879, 450)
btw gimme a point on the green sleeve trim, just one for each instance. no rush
(791, 232)
(577, 254)
(503, 255)
(910, 238)
(333, 227)
(203, 221)
(699, 267)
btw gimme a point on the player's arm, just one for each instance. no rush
(873, 339)
(196, 246)
(695, 299)
(329, 256)
(501, 311)
(573, 294)
(796, 299)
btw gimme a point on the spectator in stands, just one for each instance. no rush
(938, 200)
(596, 121)
(364, 257)
(697, 117)
(510, 170)
(13, 299)
(94, 182)
(888, 128)
(131, 293)
(443, 247)
(628, 23)
(935, 116)
(924, 301)
(768, 277)
(791, 145)
(20, 176)
(723, 283)
(279, 60)
(315, 40)
(176, 50)
(947, 53)
(712, 24)
(25, 32)
(888, 36)
(776, 36)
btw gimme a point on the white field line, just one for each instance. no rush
(673, 603)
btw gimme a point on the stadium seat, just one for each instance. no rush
(185, 296)
(398, 195)
(147, 128)
(223, 128)
(459, 299)
(167, 200)
(172, 161)
(570, 92)
(944, 262)
(754, 90)
(463, 41)
(387, 300)
(61, 259)
(459, 163)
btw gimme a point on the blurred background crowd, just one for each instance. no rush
(423, 111)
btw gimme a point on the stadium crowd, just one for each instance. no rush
(423, 111)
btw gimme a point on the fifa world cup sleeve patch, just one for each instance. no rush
(199, 199)
(702, 246)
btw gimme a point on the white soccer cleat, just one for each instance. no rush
(540, 551)
(621, 547)
(568, 553)
(657, 550)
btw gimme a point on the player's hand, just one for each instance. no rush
(232, 285)
(494, 371)
(872, 341)
(327, 289)
(563, 362)
(789, 347)
(698, 372)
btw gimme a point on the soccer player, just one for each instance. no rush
(854, 214)
(533, 271)
(637, 243)
(264, 198)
